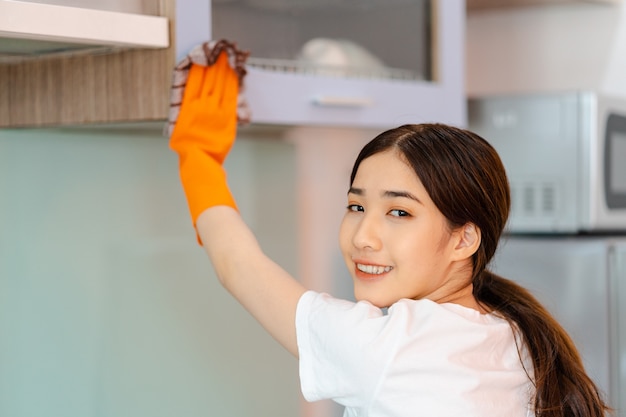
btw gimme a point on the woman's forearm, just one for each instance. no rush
(266, 290)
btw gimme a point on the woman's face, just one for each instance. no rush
(394, 240)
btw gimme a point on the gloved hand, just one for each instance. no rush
(204, 132)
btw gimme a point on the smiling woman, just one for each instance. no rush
(426, 207)
(396, 242)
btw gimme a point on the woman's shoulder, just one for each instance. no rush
(450, 312)
(417, 315)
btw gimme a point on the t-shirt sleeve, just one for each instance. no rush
(343, 348)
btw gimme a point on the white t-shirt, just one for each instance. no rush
(419, 359)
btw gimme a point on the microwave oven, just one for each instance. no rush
(565, 157)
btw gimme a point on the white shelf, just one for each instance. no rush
(28, 29)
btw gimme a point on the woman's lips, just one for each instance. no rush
(370, 272)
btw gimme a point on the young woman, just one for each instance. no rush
(433, 332)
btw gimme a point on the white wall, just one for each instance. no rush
(576, 45)
(107, 305)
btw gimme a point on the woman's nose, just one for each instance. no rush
(367, 233)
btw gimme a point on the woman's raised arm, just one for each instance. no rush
(203, 134)
(266, 290)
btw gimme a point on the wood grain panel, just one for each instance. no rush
(120, 86)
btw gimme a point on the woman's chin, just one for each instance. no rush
(372, 299)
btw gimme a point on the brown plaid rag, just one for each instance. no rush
(206, 54)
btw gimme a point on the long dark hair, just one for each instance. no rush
(466, 180)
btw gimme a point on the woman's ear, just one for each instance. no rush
(468, 241)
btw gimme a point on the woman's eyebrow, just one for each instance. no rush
(387, 194)
(405, 194)
(357, 191)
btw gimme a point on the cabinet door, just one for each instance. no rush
(70, 82)
(338, 64)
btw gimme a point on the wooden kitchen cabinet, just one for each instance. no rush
(417, 45)
(92, 86)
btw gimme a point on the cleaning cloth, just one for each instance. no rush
(206, 54)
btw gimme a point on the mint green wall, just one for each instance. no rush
(107, 305)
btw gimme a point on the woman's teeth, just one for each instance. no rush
(373, 269)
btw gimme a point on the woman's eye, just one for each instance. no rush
(355, 207)
(399, 213)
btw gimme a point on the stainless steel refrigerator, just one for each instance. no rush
(582, 281)
(564, 155)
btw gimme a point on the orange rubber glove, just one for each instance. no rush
(204, 132)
